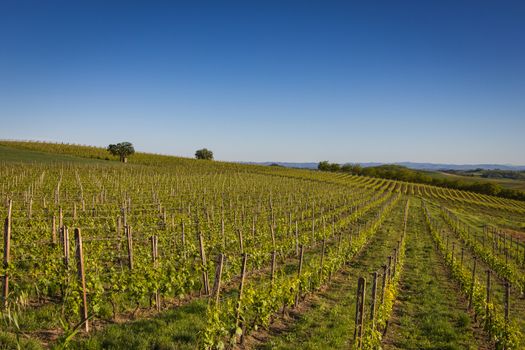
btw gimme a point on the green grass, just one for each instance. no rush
(497, 289)
(429, 313)
(329, 323)
(511, 184)
(10, 154)
(10, 341)
(483, 216)
(173, 329)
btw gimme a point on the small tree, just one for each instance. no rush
(123, 150)
(327, 166)
(204, 154)
(335, 167)
(352, 168)
(323, 166)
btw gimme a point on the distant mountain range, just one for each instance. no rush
(411, 165)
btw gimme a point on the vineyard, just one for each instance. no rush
(169, 253)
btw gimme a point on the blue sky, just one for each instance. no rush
(427, 81)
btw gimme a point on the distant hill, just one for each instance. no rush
(287, 164)
(433, 166)
(410, 165)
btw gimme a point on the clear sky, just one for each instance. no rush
(427, 81)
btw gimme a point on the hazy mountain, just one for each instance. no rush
(411, 165)
(287, 164)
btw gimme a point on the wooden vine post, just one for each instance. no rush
(205, 281)
(241, 288)
(65, 246)
(119, 235)
(299, 271)
(241, 242)
(218, 277)
(360, 312)
(129, 237)
(154, 258)
(7, 252)
(81, 278)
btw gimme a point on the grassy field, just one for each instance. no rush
(505, 183)
(153, 231)
(430, 312)
(12, 154)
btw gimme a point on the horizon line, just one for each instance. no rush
(268, 161)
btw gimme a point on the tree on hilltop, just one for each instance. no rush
(123, 150)
(204, 154)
